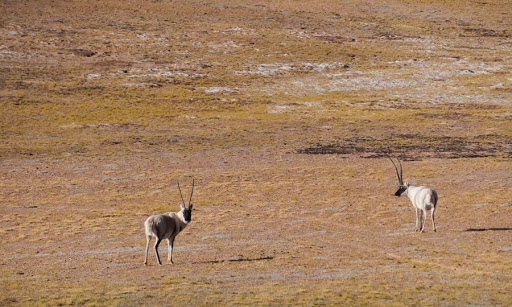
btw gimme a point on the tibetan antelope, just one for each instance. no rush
(168, 226)
(422, 199)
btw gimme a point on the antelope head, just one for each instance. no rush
(187, 209)
(402, 186)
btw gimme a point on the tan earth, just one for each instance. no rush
(283, 112)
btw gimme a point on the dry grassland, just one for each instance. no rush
(282, 111)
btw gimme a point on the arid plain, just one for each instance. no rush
(282, 112)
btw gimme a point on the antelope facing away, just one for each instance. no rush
(422, 199)
(168, 226)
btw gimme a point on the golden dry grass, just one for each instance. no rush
(282, 111)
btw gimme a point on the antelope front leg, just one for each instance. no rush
(417, 220)
(170, 244)
(423, 219)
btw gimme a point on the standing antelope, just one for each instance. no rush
(422, 199)
(168, 226)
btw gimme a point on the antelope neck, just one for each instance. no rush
(181, 217)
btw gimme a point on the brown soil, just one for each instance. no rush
(283, 112)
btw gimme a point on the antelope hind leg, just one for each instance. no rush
(147, 250)
(432, 216)
(156, 251)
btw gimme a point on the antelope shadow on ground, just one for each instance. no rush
(238, 260)
(490, 229)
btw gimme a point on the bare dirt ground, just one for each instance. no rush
(283, 112)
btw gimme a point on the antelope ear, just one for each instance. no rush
(190, 207)
(182, 207)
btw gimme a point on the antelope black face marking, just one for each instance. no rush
(187, 214)
(400, 191)
(187, 210)
(400, 176)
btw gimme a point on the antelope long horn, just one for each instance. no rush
(182, 200)
(401, 172)
(191, 193)
(396, 169)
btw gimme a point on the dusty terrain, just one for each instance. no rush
(283, 112)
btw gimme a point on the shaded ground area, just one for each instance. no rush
(419, 147)
(283, 112)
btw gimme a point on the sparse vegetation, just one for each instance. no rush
(281, 110)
